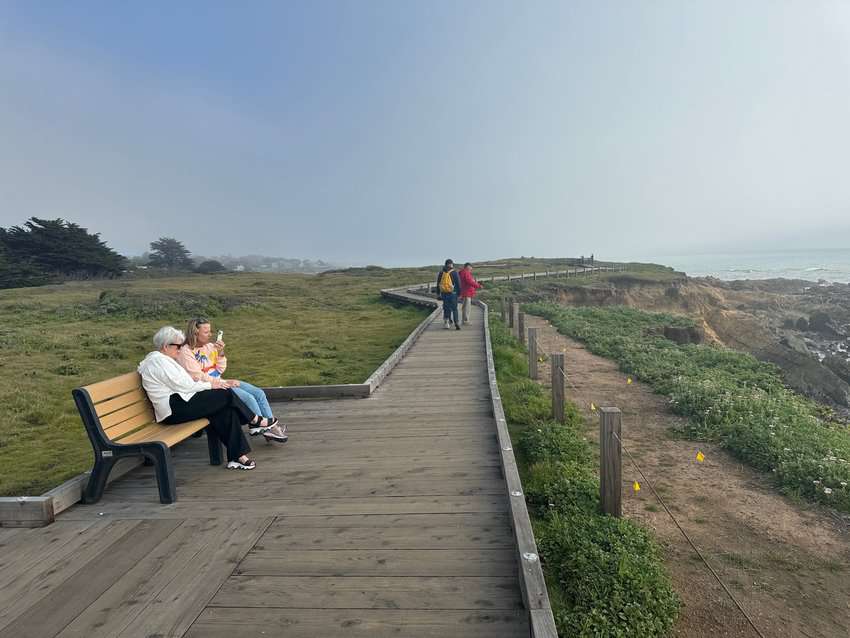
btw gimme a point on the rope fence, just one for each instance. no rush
(611, 444)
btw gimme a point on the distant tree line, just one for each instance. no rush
(43, 251)
(48, 250)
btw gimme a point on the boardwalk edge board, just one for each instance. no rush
(38, 511)
(535, 596)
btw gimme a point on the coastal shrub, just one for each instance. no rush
(729, 397)
(611, 574)
(605, 575)
(567, 487)
(551, 441)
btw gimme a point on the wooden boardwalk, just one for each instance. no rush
(381, 516)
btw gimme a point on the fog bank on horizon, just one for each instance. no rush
(401, 133)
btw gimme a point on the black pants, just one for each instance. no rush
(225, 411)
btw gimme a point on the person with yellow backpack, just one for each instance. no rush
(448, 289)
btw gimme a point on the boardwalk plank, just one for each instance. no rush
(177, 606)
(24, 554)
(60, 606)
(200, 508)
(318, 489)
(218, 622)
(351, 592)
(281, 538)
(355, 562)
(30, 586)
(128, 597)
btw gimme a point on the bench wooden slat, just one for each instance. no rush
(113, 387)
(119, 420)
(119, 416)
(118, 433)
(104, 408)
(171, 435)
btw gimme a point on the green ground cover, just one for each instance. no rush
(605, 575)
(279, 330)
(729, 397)
(527, 290)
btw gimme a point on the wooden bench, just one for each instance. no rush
(119, 420)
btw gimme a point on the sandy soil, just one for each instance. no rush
(788, 564)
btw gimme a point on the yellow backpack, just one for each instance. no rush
(446, 283)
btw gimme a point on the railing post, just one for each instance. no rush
(511, 314)
(557, 362)
(504, 309)
(610, 462)
(532, 353)
(534, 276)
(520, 327)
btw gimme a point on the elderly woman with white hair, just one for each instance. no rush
(178, 398)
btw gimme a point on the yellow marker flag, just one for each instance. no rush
(629, 380)
(700, 457)
(636, 486)
(592, 407)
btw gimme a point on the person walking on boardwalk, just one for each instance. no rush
(468, 286)
(448, 289)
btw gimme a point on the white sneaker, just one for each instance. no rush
(238, 465)
(447, 324)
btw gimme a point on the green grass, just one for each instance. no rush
(605, 575)
(729, 397)
(529, 290)
(279, 330)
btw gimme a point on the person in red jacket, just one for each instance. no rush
(468, 286)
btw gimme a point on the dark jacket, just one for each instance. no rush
(455, 281)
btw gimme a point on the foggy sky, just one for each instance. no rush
(405, 132)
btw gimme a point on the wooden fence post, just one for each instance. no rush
(504, 309)
(610, 462)
(557, 362)
(512, 314)
(520, 327)
(532, 353)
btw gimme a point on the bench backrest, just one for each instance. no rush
(121, 405)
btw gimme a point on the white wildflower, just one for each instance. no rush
(827, 490)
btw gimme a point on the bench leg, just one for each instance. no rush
(214, 445)
(97, 479)
(164, 468)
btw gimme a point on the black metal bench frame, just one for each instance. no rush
(107, 453)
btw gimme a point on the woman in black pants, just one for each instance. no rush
(178, 398)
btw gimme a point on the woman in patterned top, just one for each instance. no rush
(204, 360)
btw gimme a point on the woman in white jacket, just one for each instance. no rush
(178, 398)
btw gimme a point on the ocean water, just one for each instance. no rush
(828, 265)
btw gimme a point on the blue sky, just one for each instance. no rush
(402, 132)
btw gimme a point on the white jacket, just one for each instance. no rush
(162, 376)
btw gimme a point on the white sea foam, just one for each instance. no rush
(832, 266)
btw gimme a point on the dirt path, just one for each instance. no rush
(787, 564)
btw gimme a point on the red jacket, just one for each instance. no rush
(468, 285)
